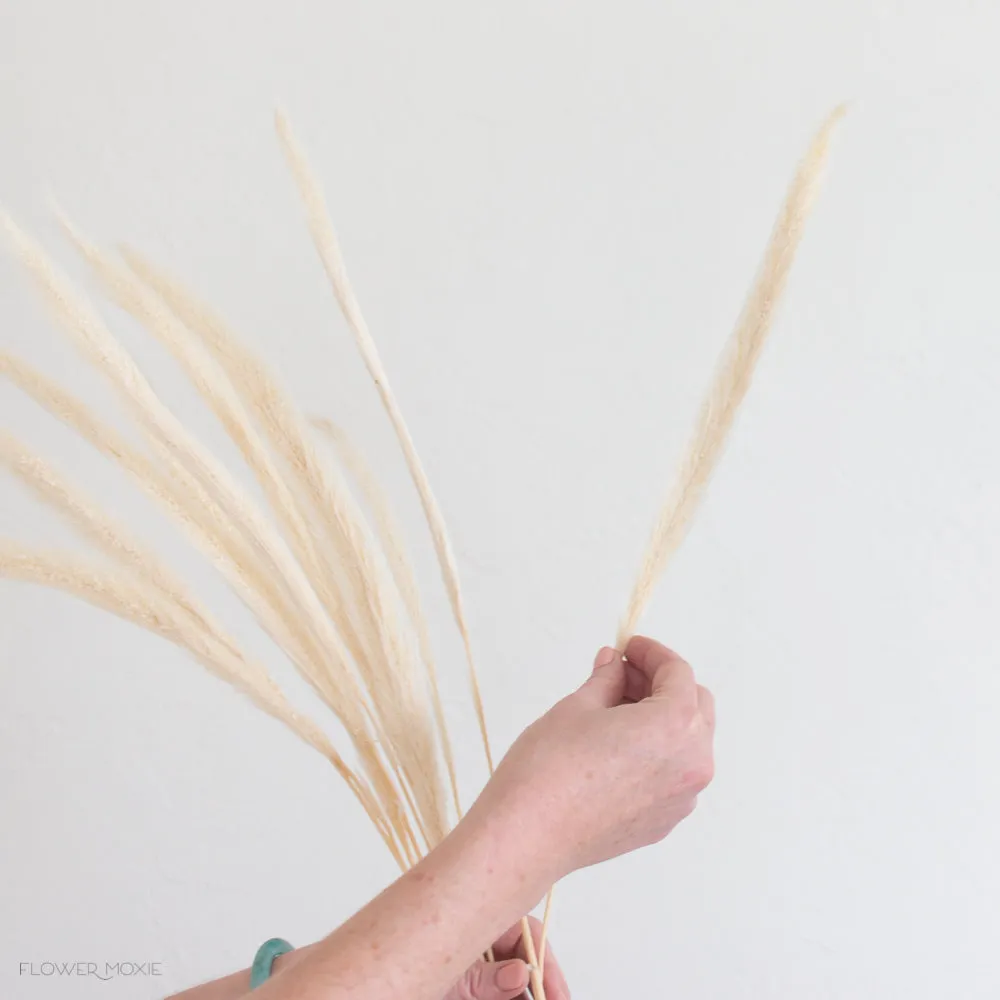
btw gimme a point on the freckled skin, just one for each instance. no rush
(612, 767)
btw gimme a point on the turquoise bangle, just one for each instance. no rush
(260, 971)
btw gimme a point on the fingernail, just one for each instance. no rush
(605, 655)
(511, 975)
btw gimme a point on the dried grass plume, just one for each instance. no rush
(319, 560)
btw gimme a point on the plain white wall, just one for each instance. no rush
(551, 211)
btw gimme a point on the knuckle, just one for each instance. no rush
(701, 775)
(684, 714)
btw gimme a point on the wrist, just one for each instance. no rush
(501, 841)
(289, 958)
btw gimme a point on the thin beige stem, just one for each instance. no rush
(537, 983)
(544, 937)
(332, 260)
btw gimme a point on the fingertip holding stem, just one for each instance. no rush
(512, 976)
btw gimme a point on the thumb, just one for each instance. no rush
(491, 981)
(605, 687)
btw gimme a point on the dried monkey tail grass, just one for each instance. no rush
(324, 572)
(732, 379)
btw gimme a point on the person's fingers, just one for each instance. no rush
(508, 945)
(491, 981)
(670, 677)
(556, 987)
(636, 684)
(511, 944)
(605, 687)
(553, 979)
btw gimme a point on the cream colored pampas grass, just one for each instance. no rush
(319, 559)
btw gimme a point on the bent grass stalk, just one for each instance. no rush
(328, 249)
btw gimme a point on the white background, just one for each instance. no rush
(551, 212)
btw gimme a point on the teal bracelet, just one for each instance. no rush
(260, 971)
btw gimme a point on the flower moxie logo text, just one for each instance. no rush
(97, 970)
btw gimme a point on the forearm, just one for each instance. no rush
(420, 935)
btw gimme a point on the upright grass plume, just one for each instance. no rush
(320, 561)
(727, 392)
(732, 379)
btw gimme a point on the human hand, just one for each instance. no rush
(507, 977)
(614, 766)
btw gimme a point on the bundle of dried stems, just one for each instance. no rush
(323, 567)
